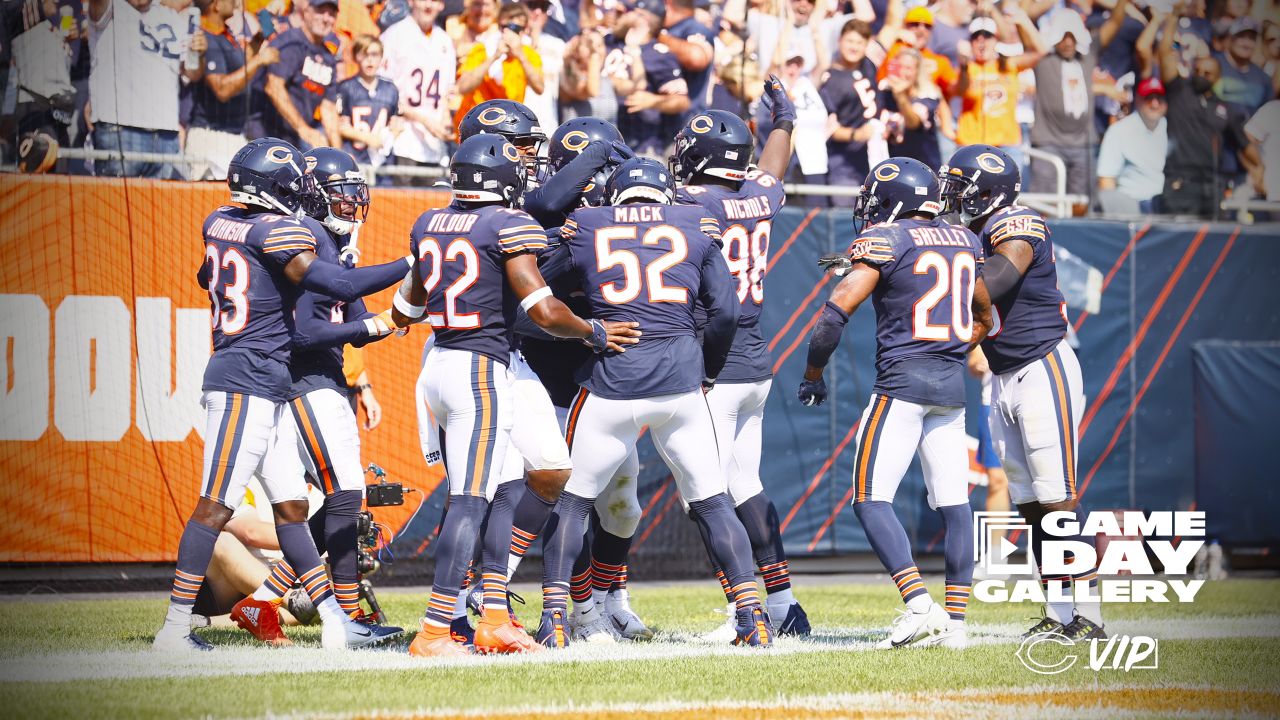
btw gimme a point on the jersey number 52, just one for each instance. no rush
(659, 291)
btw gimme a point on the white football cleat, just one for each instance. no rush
(351, 635)
(588, 624)
(175, 638)
(912, 626)
(728, 631)
(626, 623)
(953, 636)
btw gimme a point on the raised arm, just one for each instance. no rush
(776, 155)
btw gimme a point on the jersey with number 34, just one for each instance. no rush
(245, 254)
(924, 319)
(746, 219)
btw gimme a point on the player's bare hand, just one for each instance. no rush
(621, 333)
(372, 409)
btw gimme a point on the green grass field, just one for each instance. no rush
(91, 658)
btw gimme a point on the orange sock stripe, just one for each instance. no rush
(189, 576)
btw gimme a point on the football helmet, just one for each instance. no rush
(486, 168)
(895, 187)
(715, 143)
(508, 118)
(640, 179)
(269, 173)
(570, 139)
(341, 199)
(978, 180)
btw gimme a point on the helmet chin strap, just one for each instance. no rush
(351, 251)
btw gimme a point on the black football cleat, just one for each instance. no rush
(1046, 626)
(1081, 629)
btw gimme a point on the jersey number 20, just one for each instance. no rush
(952, 279)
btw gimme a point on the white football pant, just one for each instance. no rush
(889, 436)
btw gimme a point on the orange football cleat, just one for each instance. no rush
(502, 637)
(432, 644)
(261, 619)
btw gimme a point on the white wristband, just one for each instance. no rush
(371, 327)
(535, 297)
(411, 311)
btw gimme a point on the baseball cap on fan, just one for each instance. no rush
(919, 14)
(1245, 24)
(657, 7)
(1150, 86)
(981, 25)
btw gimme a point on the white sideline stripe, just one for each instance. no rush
(973, 702)
(60, 667)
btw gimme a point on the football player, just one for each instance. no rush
(474, 265)
(328, 441)
(258, 258)
(922, 276)
(646, 259)
(1037, 394)
(712, 160)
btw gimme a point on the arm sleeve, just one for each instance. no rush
(718, 295)
(826, 335)
(556, 267)
(1000, 275)
(549, 203)
(348, 285)
(313, 333)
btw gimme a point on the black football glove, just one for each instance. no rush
(620, 153)
(778, 102)
(812, 392)
(839, 264)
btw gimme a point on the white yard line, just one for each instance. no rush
(58, 667)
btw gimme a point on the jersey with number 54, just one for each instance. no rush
(923, 303)
(650, 263)
(460, 255)
(746, 219)
(245, 254)
(1031, 319)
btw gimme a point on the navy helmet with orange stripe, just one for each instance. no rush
(640, 179)
(270, 174)
(508, 118)
(978, 180)
(894, 188)
(486, 169)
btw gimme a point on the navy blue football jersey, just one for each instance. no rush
(924, 320)
(850, 95)
(317, 364)
(252, 301)
(460, 255)
(1031, 319)
(650, 131)
(746, 218)
(310, 74)
(648, 263)
(368, 109)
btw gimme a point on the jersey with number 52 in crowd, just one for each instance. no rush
(246, 252)
(1032, 319)
(746, 219)
(921, 341)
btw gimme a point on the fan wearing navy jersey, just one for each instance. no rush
(922, 276)
(474, 266)
(258, 258)
(849, 92)
(713, 155)
(368, 106)
(294, 98)
(324, 425)
(646, 260)
(1037, 393)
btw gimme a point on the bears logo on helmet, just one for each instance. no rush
(492, 116)
(991, 163)
(887, 172)
(280, 154)
(701, 124)
(510, 152)
(575, 140)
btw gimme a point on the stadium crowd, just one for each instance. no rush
(1151, 105)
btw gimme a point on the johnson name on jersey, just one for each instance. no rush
(746, 217)
(460, 253)
(924, 319)
(1031, 319)
(252, 301)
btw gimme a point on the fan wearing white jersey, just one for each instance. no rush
(419, 58)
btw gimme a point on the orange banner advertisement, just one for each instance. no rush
(105, 338)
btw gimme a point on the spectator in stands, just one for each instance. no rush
(809, 162)
(913, 32)
(545, 103)
(648, 81)
(418, 57)
(988, 85)
(1264, 132)
(501, 64)
(737, 82)
(46, 97)
(912, 109)
(693, 44)
(220, 104)
(1271, 54)
(849, 93)
(479, 18)
(1243, 83)
(138, 50)
(368, 107)
(1131, 160)
(1200, 125)
(300, 88)
(950, 36)
(583, 91)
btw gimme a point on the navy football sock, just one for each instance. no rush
(317, 523)
(561, 547)
(496, 547)
(716, 569)
(958, 550)
(531, 513)
(889, 541)
(760, 518)
(454, 550)
(729, 545)
(300, 551)
(341, 511)
(608, 558)
(195, 551)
